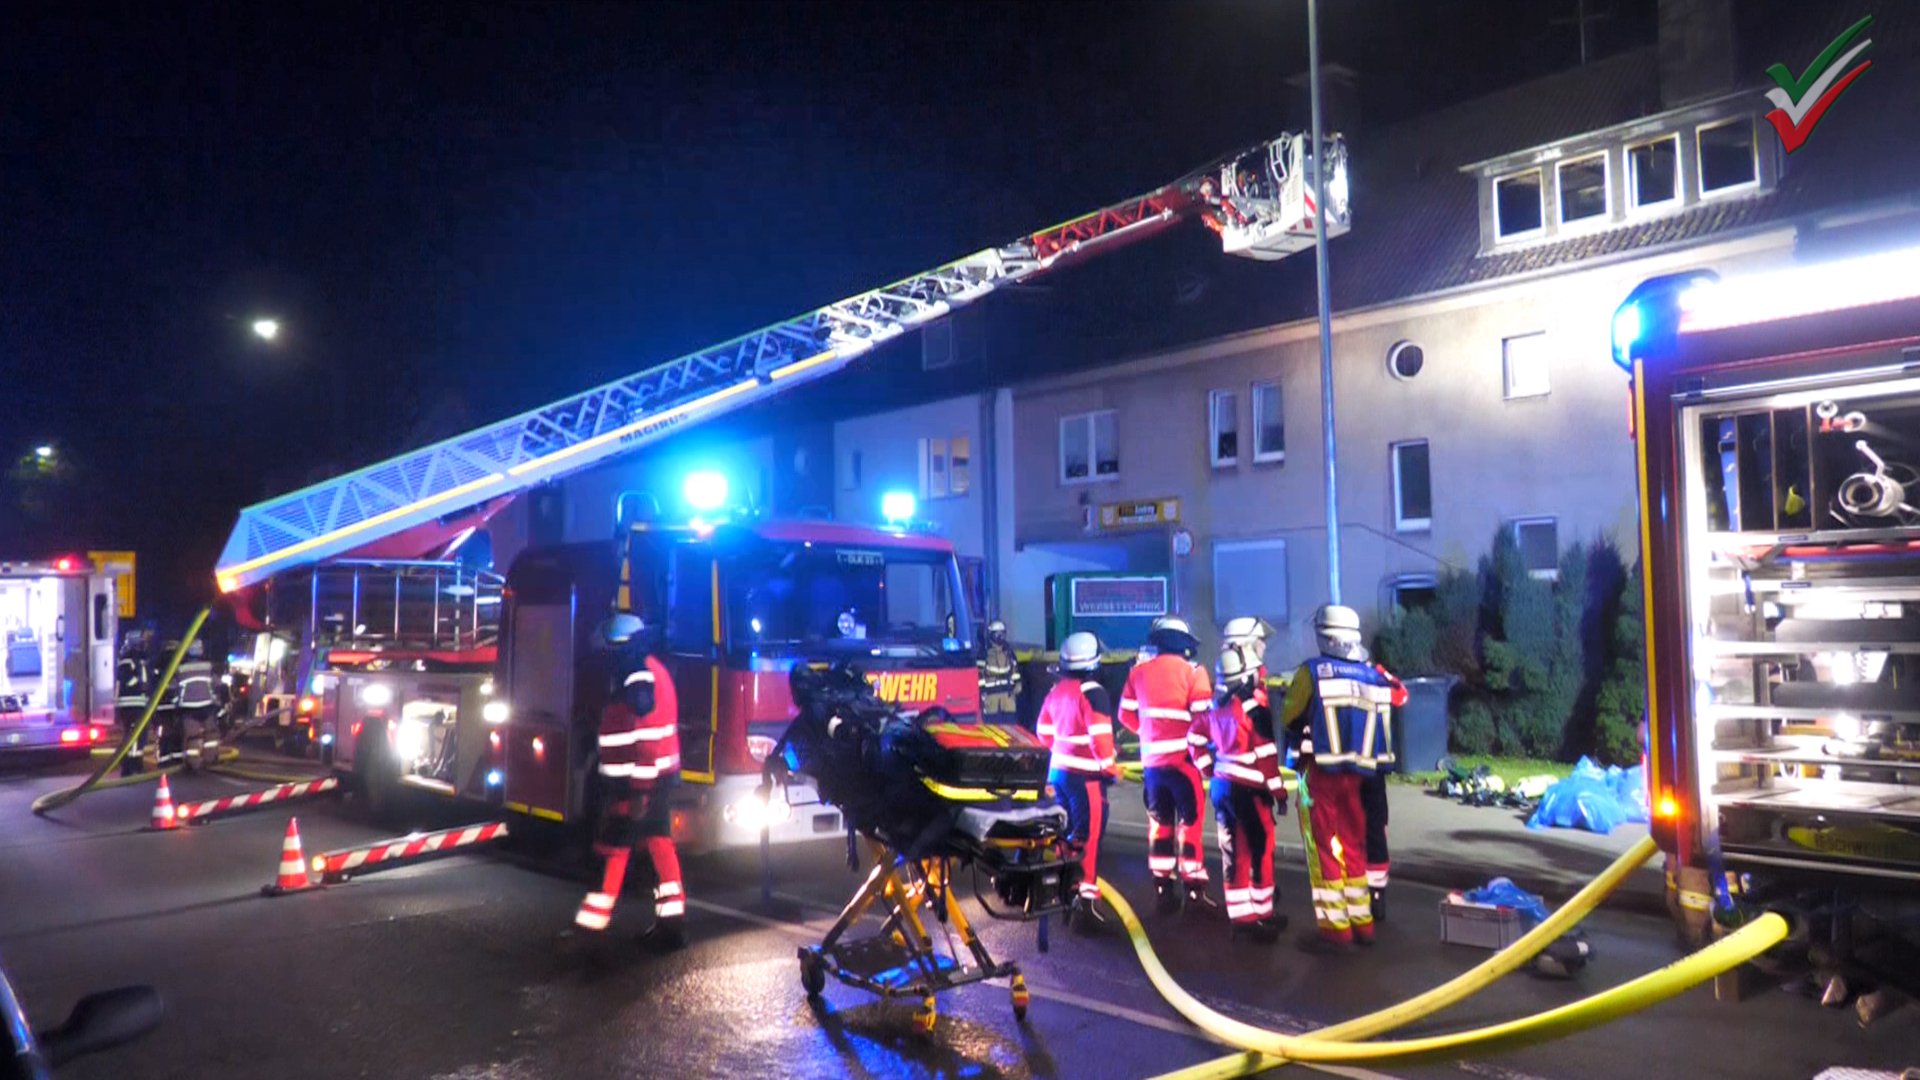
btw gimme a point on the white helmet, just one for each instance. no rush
(1080, 652)
(1237, 664)
(1338, 629)
(1249, 631)
(1171, 622)
(1170, 633)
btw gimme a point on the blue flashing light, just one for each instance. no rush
(705, 491)
(494, 778)
(1648, 323)
(898, 507)
(1627, 324)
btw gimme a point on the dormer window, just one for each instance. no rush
(1653, 174)
(1583, 189)
(1728, 159)
(1517, 205)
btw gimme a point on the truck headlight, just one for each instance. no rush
(376, 695)
(495, 712)
(754, 812)
(410, 742)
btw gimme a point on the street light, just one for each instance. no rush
(266, 329)
(44, 453)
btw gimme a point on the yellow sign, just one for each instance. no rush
(1140, 512)
(120, 565)
(907, 688)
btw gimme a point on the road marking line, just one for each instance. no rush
(1064, 997)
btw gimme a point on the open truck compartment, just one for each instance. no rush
(58, 624)
(1801, 548)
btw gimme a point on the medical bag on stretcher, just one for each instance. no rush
(991, 758)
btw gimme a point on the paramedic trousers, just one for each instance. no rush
(1373, 802)
(1174, 796)
(1085, 799)
(1342, 907)
(642, 817)
(1245, 817)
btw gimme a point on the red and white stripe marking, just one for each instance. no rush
(336, 866)
(278, 793)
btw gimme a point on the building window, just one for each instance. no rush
(1250, 578)
(1405, 360)
(959, 465)
(1412, 487)
(1517, 206)
(1728, 158)
(1411, 592)
(1223, 427)
(1583, 189)
(1524, 359)
(1539, 542)
(1089, 447)
(1653, 175)
(933, 468)
(1269, 422)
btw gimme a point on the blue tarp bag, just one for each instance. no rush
(1593, 799)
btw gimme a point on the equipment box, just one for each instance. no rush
(1483, 926)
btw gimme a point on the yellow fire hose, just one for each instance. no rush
(1267, 1049)
(54, 800)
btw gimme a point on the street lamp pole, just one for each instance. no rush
(1326, 321)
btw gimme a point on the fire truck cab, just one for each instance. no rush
(58, 625)
(732, 607)
(1777, 422)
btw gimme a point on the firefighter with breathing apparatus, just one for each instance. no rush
(1165, 702)
(1341, 708)
(999, 677)
(133, 683)
(1249, 633)
(1246, 791)
(1076, 724)
(639, 768)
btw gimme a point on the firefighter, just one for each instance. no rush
(195, 702)
(1076, 724)
(1246, 790)
(1341, 707)
(999, 677)
(639, 769)
(133, 687)
(1165, 702)
(1248, 633)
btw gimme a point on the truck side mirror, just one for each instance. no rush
(102, 1021)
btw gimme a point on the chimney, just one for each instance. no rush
(1339, 100)
(1696, 50)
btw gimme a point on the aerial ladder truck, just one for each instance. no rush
(414, 670)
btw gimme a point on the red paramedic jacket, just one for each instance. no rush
(1241, 751)
(1076, 723)
(642, 749)
(1166, 702)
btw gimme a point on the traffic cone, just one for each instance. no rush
(293, 865)
(163, 815)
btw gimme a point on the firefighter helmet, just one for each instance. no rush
(1237, 664)
(1170, 633)
(621, 628)
(997, 632)
(1080, 652)
(1338, 628)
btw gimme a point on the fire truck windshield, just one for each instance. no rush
(787, 597)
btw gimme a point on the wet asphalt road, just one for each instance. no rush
(464, 969)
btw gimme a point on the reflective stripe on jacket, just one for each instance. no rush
(639, 748)
(1166, 702)
(1076, 723)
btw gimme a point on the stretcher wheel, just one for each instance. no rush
(1021, 999)
(925, 1015)
(813, 973)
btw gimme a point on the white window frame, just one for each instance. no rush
(1401, 523)
(1606, 193)
(1552, 573)
(1393, 354)
(1700, 164)
(933, 481)
(1285, 577)
(959, 480)
(1634, 205)
(1094, 475)
(1267, 457)
(1540, 181)
(1214, 400)
(1409, 581)
(1506, 368)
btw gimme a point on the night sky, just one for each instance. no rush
(462, 211)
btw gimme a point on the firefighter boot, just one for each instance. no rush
(665, 935)
(1264, 932)
(1379, 902)
(1197, 895)
(1167, 896)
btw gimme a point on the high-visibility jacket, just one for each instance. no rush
(1240, 734)
(1076, 723)
(1165, 701)
(133, 681)
(193, 685)
(1344, 710)
(642, 747)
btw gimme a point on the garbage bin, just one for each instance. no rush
(1422, 727)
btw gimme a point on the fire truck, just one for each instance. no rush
(1777, 424)
(58, 623)
(401, 702)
